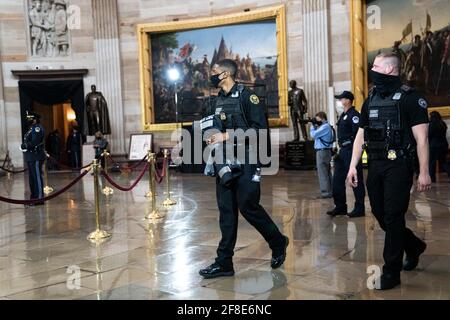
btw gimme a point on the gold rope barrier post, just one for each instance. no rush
(9, 165)
(154, 214)
(149, 160)
(168, 202)
(47, 188)
(97, 235)
(106, 190)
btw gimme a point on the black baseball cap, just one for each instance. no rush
(346, 95)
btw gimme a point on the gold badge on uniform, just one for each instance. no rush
(392, 155)
(223, 116)
(254, 99)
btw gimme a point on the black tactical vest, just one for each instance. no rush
(387, 129)
(230, 106)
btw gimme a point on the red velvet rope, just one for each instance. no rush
(159, 175)
(34, 201)
(12, 171)
(68, 167)
(115, 185)
(4, 161)
(129, 168)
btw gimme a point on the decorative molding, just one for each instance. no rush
(42, 75)
(145, 30)
(358, 46)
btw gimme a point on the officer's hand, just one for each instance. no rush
(218, 137)
(352, 177)
(423, 182)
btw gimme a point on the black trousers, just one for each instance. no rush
(388, 185)
(75, 158)
(341, 167)
(243, 195)
(35, 179)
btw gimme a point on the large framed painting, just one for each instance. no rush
(176, 58)
(418, 32)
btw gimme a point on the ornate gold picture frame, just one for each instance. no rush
(359, 50)
(147, 30)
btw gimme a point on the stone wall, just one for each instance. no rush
(85, 53)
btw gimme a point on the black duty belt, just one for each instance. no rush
(399, 154)
(345, 143)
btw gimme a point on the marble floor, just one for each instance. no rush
(44, 253)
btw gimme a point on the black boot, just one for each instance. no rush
(216, 270)
(337, 212)
(412, 261)
(388, 281)
(279, 257)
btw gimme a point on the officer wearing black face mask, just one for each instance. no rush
(33, 148)
(241, 109)
(393, 129)
(347, 128)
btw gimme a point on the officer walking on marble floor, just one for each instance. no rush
(393, 129)
(240, 108)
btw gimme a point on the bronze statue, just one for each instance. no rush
(97, 113)
(299, 107)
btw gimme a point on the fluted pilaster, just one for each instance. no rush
(316, 54)
(108, 68)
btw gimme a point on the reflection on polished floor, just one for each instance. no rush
(43, 248)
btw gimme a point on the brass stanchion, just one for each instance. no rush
(106, 190)
(47, 188)
(168, 201)
(149, 160)
(154, 214)
(97, 235)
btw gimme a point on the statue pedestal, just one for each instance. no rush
(300, 155)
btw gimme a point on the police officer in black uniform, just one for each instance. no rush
(347, 128)
(393, 130)
(243, 110)
(33, 148)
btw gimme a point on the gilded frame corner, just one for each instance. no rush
(358, 49)
(144, 31)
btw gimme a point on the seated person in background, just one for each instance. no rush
(100, 145)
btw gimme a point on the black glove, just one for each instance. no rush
(23, 146)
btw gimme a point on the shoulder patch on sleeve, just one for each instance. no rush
(254, 99)
(423, 103)
(355, 119)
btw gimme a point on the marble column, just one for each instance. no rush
(108, 67)
(316, 54)
(3, 141)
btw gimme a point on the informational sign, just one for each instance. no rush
(139, 145)
(299, 155)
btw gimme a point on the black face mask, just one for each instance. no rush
(385, 83)
(215, 80)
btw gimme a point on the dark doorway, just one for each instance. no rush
(57, 120)
(60, 103)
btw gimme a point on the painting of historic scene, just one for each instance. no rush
(48, 31)
(418, 31)
(181, 63)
